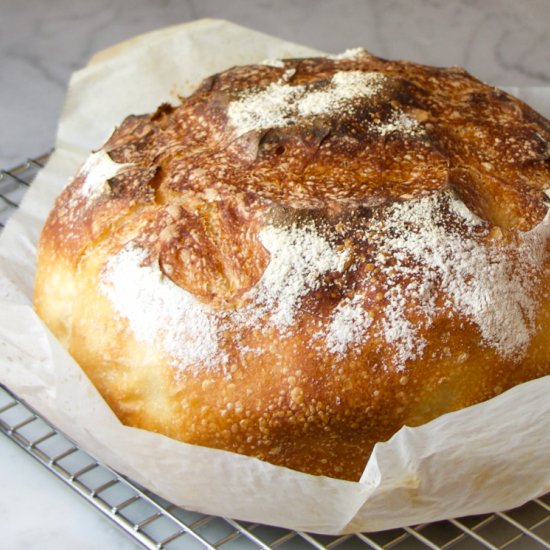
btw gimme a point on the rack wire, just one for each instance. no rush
(156, 523)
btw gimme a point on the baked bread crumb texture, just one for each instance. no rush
(306, 255)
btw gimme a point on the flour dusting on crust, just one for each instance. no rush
(437, 260)
(400, 122)
(300, 256)
(491, 284)
(281, 104)
(350, 53)
(157, 308)
(277, 63)
(97, 170)
(348, 325)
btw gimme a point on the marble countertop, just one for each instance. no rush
(504, 42)
(39, 512)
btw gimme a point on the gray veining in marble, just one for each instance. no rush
(42, 42)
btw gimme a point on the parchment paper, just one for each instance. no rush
(489, 457)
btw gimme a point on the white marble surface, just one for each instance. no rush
(504, 42)
(38, 512)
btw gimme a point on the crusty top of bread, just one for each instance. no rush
(403, 132)
(348, 227)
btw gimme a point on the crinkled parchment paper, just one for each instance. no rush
(489, 457)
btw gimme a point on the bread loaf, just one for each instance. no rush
(306, 255)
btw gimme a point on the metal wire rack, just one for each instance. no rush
(155, 523)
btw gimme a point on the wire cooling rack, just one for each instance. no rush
(155, 523)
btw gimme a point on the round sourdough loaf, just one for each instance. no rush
(306, 255)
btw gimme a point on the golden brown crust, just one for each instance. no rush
(196, 200)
